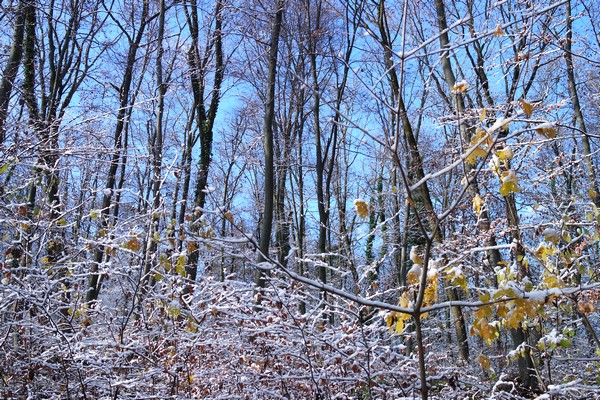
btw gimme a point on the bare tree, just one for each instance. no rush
(199, 64)
(269, 191)
(12, 66)
(125, 107)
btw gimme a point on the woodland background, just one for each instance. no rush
(294, 199)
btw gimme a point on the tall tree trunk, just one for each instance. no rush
(493, 254)
(420, 197)
(527, 369)
(268, 122)
(32, 106)
(585, 140)
(157, 152)
(314, 25)
(337, 131)
(205, 117)
(287, 132)
(300, 215)
(12, 66)
(125, 105)
(186, 170)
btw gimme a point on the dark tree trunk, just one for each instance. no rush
(268, 121)
(95, 281)
(205, 118)
(12, 66)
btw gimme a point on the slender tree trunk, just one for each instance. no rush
(125, 104)
(301, 212)
(268, 122)
(493, 254)
(157, 152)
(205, 118)
(585, 140)
(283, 222)
(186, 170)
(28, 87)
(12, 66)
(345, 233)
(338, 133)
(321, 155)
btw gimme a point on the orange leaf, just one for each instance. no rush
(526, 106)
(362, 208)
(133, 244)
(498, 31)
(546, 129)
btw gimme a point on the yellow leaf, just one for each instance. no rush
(456, 277)
(551, 235)
(552, 281)
(414, 256)
(484, 297)
(229, 216)
(473, 153)
(513, 319)
(505, 154)
(508, 187)
(479, 135)
(510, 183)
(389, 319)
(526, 106)
(543, 251)
(397, 321)
(431, 291)
(157, 277)
(483, 114)
(414, 274)
(495, 164)
(173, 311)
(484, 312)
(404, 301)
(488, 332)
(399, 328)
(362, 208)
(547, 130)
(477, 204)
(460, 87)
(180, 267)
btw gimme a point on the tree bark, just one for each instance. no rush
(205, 117)
(125, 104)
(157, 154)
(12, 66)
(585, 140)
(268, 122)
(314, 25)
